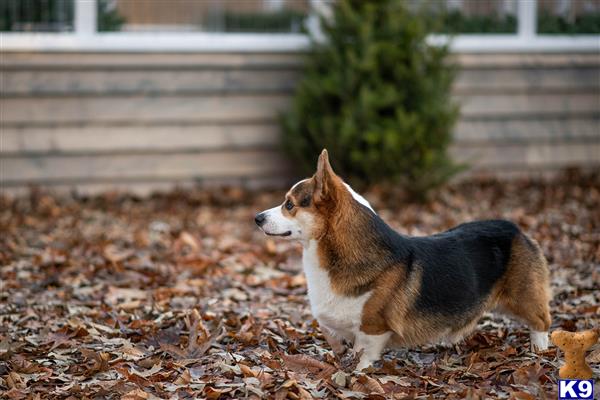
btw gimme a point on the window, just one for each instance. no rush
(281, 25)
(478, 16)
(254, 16)
(572, 17)
(36, 15)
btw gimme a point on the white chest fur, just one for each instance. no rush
(339, 314)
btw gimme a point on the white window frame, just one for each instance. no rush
(86, 38)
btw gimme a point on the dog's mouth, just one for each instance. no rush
(286, 233)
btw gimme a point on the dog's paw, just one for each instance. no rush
(363, 364)
(339, 349)
(539, 341)
(337, 344)
(350, 360)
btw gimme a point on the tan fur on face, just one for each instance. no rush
(298, 195)
(301, 195)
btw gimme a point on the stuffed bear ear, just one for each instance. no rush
(323, 178)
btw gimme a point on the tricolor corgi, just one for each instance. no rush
(376, 288)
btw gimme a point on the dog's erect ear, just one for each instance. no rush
(323, 178)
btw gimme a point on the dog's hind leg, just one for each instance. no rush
(539, 340)
(535, 313)
(526, 290)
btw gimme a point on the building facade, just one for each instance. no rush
(154, 102)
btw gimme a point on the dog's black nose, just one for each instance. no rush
(260, 219)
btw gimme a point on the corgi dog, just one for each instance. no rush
(376, 288)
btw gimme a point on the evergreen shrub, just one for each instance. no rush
(377, 96)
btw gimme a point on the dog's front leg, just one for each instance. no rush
(335, 342)
(371, 346)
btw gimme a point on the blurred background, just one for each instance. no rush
(148, 94)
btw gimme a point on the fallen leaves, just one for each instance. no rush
(95, 361)
(63, 336)
(199, 339)
(179, 296)
(366, 384)
(305, 364)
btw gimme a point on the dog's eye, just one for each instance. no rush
(289, 205)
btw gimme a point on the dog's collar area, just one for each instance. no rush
(286, 233)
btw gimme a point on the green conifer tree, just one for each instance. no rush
(377, 96)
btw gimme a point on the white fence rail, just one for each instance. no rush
(86, 38)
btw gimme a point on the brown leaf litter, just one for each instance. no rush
(179, 296)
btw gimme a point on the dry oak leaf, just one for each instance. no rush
(20, 364)
(15, 381)
(199, 340)
(16, 394)
(291, 389)
(271, 247)
(149, 372)
(125, 295)
(306, 364)
(188, 239)
(247, 371)
(594, 356)
(133, 378)
(113, 254)
(95, 361)
(138, 394)
(64, 336)
(212, 393)
(183, 379)
(520, 395)
(366, 384)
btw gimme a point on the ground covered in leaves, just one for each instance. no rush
(180, 296)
